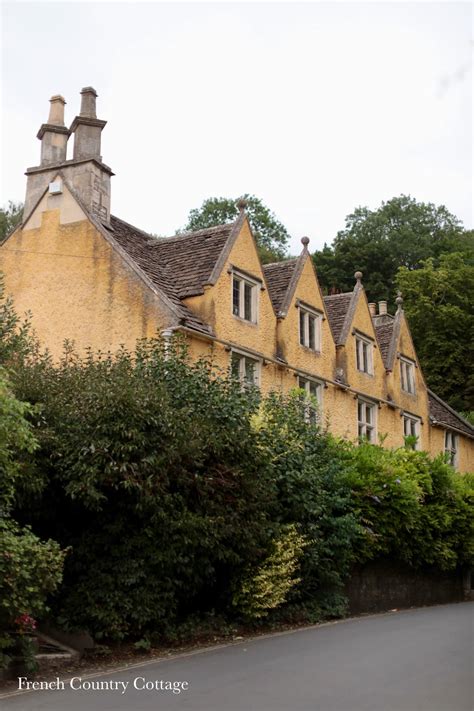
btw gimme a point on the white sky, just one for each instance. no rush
(316, 108)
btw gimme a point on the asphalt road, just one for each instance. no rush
(416, 660)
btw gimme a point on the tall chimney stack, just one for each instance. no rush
(87, 128)
(382, 308)
(372, 309)
(85, 172)
(54, 134)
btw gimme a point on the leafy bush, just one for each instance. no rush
(268, 587)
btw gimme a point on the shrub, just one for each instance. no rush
(266, 588)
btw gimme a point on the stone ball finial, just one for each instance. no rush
(358, 276)
(242, 204)
(399, 300)
(305, 241)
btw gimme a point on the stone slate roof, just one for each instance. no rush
(191, 257)
(443, 414)
(384, 338)
(171, 264)
(336, 309)
(278, 277)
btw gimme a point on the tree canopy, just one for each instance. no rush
(271, 235)
(10, 216)
(438, 302)
(401, 232)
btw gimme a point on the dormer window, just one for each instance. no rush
(310, 328)
(244, 297)
(407, 375)
(364, 355)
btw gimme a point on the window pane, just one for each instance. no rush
(311, 331)
(369, 414)
(365, 352)
(249, 370)
(360, 409)
(302, 328)
(235, 365)
(248, 301)
(361, 430)
(358, 355)
(302, 383)
(236, 297)
(314, 390)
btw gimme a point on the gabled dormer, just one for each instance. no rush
(304, 337)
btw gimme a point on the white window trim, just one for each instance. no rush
(256, 286)
(307, 311)
(319, 398)
(359, 339)
(417, 421)
(373, 425)
(258, 366)
(452, 451)
(410, 372)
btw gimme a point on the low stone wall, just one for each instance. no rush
(384, 585)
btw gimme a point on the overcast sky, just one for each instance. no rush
(316, 108)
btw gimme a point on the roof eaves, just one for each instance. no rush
(451, 410)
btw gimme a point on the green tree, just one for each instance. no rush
(271, 236)
(438, 302)
(402, 232)
(10, 217)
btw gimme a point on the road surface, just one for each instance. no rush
(415, 660)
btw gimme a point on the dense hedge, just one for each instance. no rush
(180, 495)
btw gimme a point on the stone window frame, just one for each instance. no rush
(414, 423)
(244, 359)
(239, 309)
(312, 414)
(367, 426)
(364, 344)
(306, 316)
(451, 447)
(407, 375)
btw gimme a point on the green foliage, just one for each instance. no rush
(155, 479)
(30, 569)
(10, 217)
(15, 339)
(412, 508)
(402, 232)
(438, 303)
(266, 588)
(271, 236)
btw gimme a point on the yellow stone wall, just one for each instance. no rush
(77, 287)
(62, 269)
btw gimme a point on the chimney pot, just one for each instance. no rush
(88, 108)
(372, 308)
(382, 308)
(56, 111)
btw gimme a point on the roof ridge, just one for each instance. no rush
(343, 293)
(283, 262)
(137, 229)
(184, 235)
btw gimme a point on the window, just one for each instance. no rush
(245, 369)
(313, 391)
(364, 355)
(407, 375)
(366, 420)
(244, 298)
(310, 329)
(451, 447)
(411, 428)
